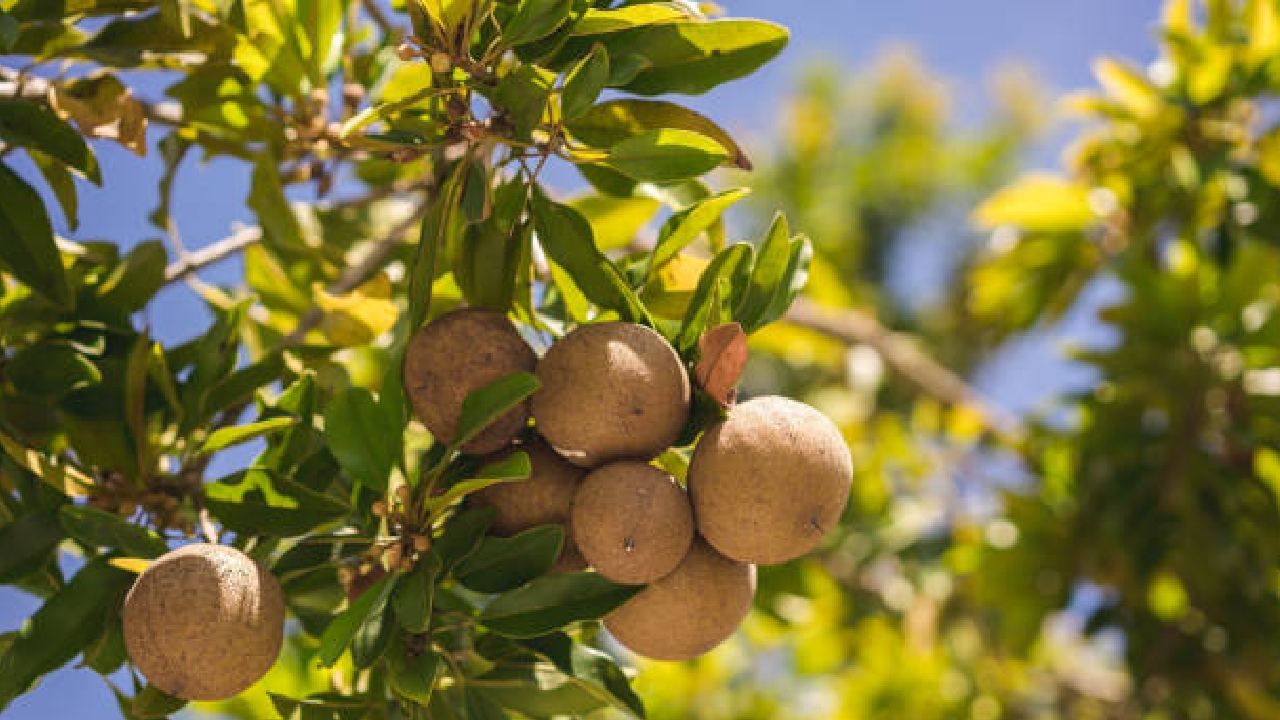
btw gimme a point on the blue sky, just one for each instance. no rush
(963, 40)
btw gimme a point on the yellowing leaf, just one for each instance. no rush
(1038, 202)
(671, 289)
(615, 221)
(1264, 32)
(1208, 78)
(104, 108)
(64, 477)
(134, 565)
(360, 316)
(1128, 87)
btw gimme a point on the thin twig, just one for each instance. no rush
(380, 19)
(905, 357)
(212, 253)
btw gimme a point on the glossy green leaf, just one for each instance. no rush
(151, 703)
(766, 278)
(259, 502)
(715, 289)
(97, 528)
(606, 124)
(523, 94)
(462, 534)
(480, 706)
(60, 182)
(615, 221)
(666, 155)
(501, 564)
(694, 57)
(486, 404)
(685, 226)
(552, 602)
(584, 83)
(566, 236)
(51, 371)
(32, 125)
(373, 636)
(509, 469)
(414, 594)
(137, 278)
(62, 627)
(27, 542)
(338, 635)
(594, 670)
(28, 250)
(233, 435)
(601, 21)
(534, 20)
(438, 228)
(365, 440)
(412, 671)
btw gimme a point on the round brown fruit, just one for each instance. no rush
(611, 390)
(632, 522)
(204, 622)
(688, 612)
(459, 352)
(770, 481)
(545, 497)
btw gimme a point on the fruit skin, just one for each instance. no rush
(632, 522)
(458, 352)
(545, 497)
(204, 622)
(611, 390)
(688, 612)
(768, 482)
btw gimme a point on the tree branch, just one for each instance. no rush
(903, 355)
(210, 254)
(379, 17)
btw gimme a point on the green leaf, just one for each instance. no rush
(501, 564)
(592, 669)
(259, 502)
(62, 627)
(685, 226)
(339, 633)
(510, 469)
(484, 405)
(615, 221)
(584, 83)
(374, 635)
(694, 57)
(492, 265)
(767, 277)
(609, 123)
(566, 236)
(96, 528)
(31, 125)
(60, 181)
(666, 155)
(412, 673)
(523, 94)
(462, 535)
(132, 283)
(534, 20)
(715, 289)
(552, 602)
(793, 280)
(9, 30)
(153, 703)
(28, 250)
(27, 543)
(51, 371)
(415, 592)
(482, 707)
(439, 226)
(280, 228)
(597, 21)
(365, 440)
(226, 437)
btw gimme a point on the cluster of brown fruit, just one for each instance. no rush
(764, 485)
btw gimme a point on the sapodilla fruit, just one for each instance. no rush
(768, 482)
(458, 352)
(632, 522)
(611, 390)
(545, 497)
(204, 622)
(689, 611)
